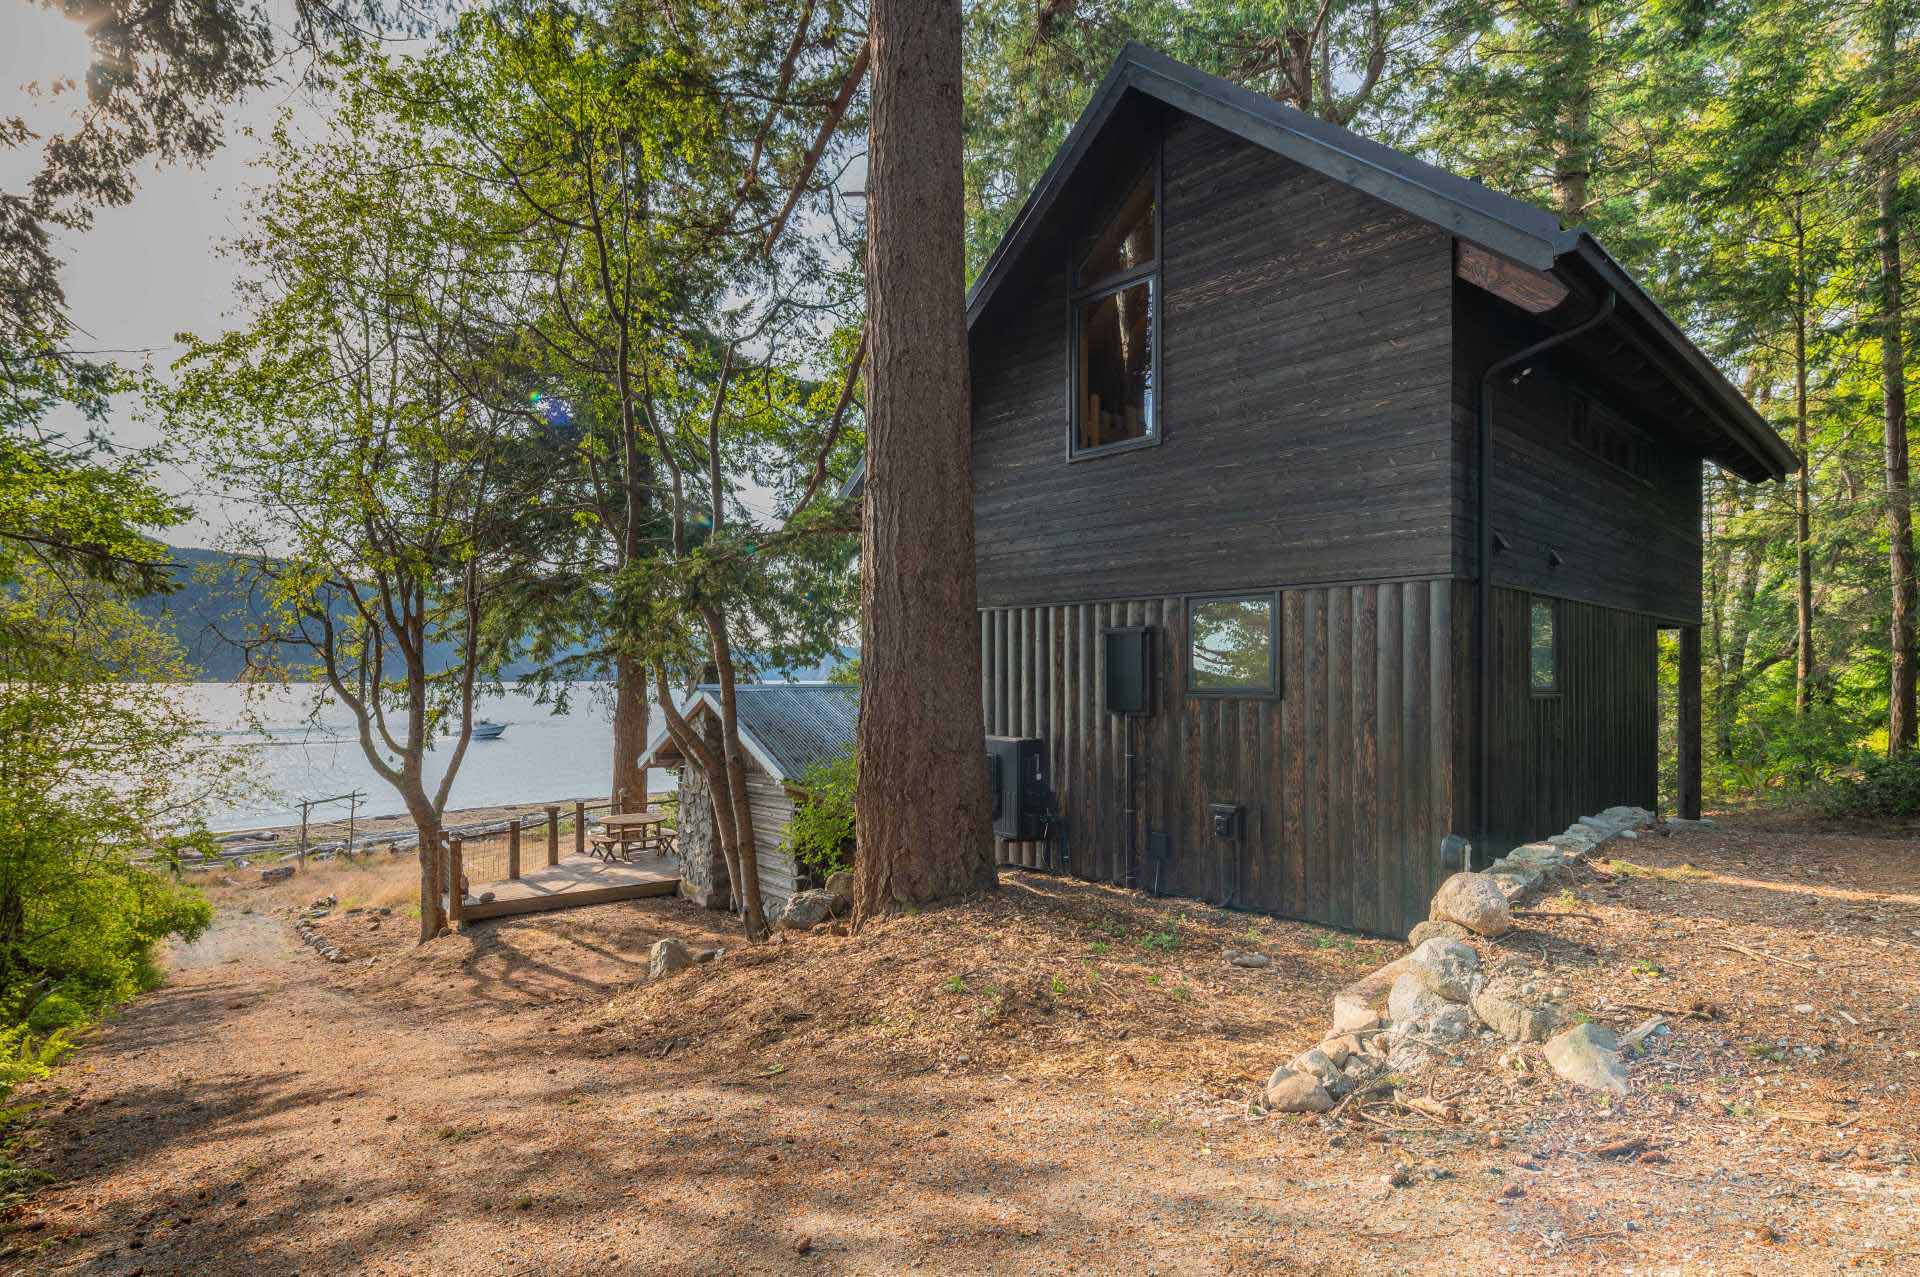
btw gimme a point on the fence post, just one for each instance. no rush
(579, 829)
(553, 836)
(456, 889)
(513, 849)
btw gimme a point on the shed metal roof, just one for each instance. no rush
(788, 728)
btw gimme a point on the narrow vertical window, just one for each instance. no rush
(1543, 648)
(1116, 342)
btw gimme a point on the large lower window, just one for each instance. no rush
(1233, 646)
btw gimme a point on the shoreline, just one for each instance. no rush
(327, 837)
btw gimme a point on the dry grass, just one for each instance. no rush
(373, 881)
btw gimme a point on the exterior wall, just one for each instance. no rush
(1304, 395)
(1593, 744)
(703, 868)
(1349, 780)
(1625, 542)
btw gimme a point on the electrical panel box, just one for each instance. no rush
(1017, 782)
(1130, 665)
(1227, 820)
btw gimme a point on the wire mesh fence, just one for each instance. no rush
(529, 842)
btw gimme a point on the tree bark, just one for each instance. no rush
(1573, 145)
(1802, 495)
(1893, 393)
(630, 717)
(921, 816)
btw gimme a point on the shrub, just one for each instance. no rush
(1881, 789)
(820, 836)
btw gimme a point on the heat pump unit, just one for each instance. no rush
(1017, 782)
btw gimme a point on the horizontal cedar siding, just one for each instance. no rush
(1624, 542)
(1349, 780)
(1304, 397)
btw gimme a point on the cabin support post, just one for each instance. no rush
(1688, 717)
(553, 836)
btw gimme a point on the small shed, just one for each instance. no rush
(786, 729)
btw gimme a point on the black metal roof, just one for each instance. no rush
(1470, 211)
(786, 727)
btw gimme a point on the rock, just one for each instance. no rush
(279, 873)
(1244, 958)
(1341, 1049)
(1455, 968)
(1677, 823)
(1316, 1063)
(807, 909)
(708, 955)
(1628, 817)
(1587, 1055)
(1290, 1092)
(666, 957)
(1413, 998)
(839, 885)
(1515, 1010)
(486, 897)
(1475, 902)
(326, 902)
(1358, 1007)
(1432, 927)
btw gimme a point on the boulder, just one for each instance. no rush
(1317, 1064)
(1414, 998)
(1246, 958)
(1681, 822)
(1436, 927)
(1475, 902)
(279, 873)
(1454, 968)
(1628, 817)
(667, 957)
(1290, 1092)
(1588, 1055)
(839, 885)
(1516, 1011)
(1359, 1006)
(808, 909)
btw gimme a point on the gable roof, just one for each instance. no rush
(786, 728)
(1512, 228)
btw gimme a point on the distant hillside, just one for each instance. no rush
(213, 611)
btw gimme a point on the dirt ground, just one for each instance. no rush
(1053, 1079)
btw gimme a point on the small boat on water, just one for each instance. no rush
(487, 729)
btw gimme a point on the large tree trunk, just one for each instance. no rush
(432, 915)
(921, 819)
(1893, 392)
(629, 733)
(1573, 144)
(1802, 496)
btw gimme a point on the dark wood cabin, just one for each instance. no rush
(1227, 371)
(787, 729)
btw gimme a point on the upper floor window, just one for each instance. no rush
(1116, 325)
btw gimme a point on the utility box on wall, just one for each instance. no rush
(1130, 664)
(1017, 785)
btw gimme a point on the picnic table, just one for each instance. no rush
(619, 835)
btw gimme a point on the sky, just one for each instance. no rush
(150, 270)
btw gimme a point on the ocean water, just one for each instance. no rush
(300, 742)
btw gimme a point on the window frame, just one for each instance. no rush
(1078, 294)
(1273, 690)
(1553, 605)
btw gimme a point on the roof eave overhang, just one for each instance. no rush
(705, 702)
(1757, 444)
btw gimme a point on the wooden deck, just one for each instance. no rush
(575, 882)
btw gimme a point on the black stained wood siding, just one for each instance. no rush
(1350, 779)
(1592, 745)
(1304, 388)
(1625, 542)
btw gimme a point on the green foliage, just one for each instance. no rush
(1879, 789)
(820, 836)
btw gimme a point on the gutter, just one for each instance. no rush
(1483, 611)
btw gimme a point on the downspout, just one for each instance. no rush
(1483, 612)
